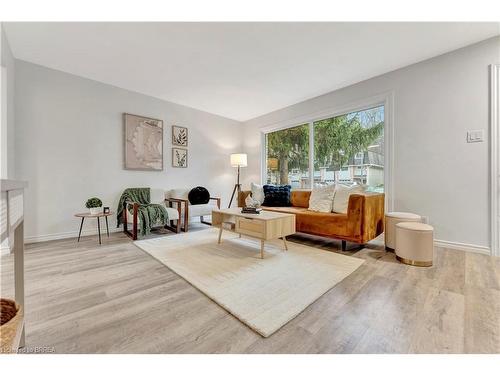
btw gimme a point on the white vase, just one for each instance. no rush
(95, 210)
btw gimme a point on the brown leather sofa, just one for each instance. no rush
(363, 222)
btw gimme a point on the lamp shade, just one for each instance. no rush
(238, 160)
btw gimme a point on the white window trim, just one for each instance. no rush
(386, 99)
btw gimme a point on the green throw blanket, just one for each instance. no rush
(149, 214)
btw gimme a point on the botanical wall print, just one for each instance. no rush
(179, 136)
(179, 157)
(143, 143)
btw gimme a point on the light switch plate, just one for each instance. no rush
(475, 136)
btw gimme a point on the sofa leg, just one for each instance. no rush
(355, 246)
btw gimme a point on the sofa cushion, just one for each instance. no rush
(318, 223)
(322, 223)
(341, 197)
(300, 198)
(277, 195)
(321, 199)
(286, 210)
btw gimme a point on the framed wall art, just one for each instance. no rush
(143, 143)
(179, 136)
(179, 157)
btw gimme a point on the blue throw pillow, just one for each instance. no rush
(277, 195)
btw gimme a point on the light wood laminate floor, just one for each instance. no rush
(114, 298)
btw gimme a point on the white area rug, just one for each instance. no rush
(265, 293)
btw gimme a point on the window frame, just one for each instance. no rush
(385, 99)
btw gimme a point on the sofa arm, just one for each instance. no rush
(365, 215)
(242, 196)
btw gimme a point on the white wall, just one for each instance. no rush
(7, 108)
(69, 142)
(7, 63)
(69, 147)
(436, 173)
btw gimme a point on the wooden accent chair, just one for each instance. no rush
(157, 196)
(188, 210)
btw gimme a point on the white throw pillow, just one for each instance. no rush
(341, 197)
(321, 198)
(257, 192)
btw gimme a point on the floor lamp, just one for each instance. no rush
(237, 161)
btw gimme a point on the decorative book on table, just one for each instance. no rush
(251, 210)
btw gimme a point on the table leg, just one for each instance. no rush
(107, 228)
(284, 242)
(99, 229)
(220, 233)
(80, 232)
(261, 249)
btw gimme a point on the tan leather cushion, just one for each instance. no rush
(300, 198)
(320, 223)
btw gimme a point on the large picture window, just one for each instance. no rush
(348, 149)
(287, 156)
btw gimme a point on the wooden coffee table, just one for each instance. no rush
(265, 226)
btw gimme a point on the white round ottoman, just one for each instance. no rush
(415, 243)
(391, 219)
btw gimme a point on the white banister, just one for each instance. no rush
(12, 227)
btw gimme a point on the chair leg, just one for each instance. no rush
(186, 217)
(204, 222)
(174, 228)
(344, 245)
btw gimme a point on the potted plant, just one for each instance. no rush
(94, 205)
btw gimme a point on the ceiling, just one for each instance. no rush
(236, 70)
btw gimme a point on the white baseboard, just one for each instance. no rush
(463, 247)
(73, 234)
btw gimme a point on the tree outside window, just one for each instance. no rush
(347, 149)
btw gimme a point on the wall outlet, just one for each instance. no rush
(475, 136)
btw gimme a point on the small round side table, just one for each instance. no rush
(101, 214)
